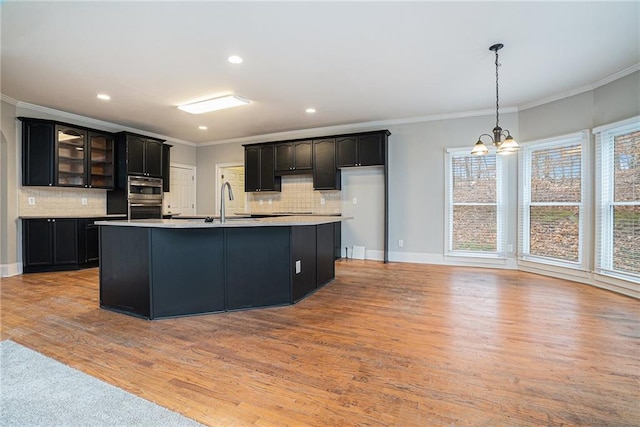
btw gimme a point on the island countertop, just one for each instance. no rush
(279, 221)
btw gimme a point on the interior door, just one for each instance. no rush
(181, 198)
(235, 176)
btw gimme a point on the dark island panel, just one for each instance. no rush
(258, 261)
(187, 271)
(124, 270)
(303, 247)
(325, 250)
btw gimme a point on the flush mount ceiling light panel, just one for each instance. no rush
(214, 104)
(506, 146)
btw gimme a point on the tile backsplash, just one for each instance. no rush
(61, 201)
(297, 196)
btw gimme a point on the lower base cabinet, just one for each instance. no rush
(49, 244)
(57, 244)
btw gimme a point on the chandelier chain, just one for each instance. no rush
(497, 95)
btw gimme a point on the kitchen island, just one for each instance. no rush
(167, 268)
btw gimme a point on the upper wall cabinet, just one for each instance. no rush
(361, 150)
(101, 160)
(57, 154)
(293, 157)
(325, 174)
(38, 142)
(139, 155)
(166, 167)
(70, 157)
(259, 173)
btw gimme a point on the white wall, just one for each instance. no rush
(366, 228)
(9, 257)
(208, 157)
(417, 182)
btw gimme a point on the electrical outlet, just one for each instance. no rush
(400, 243)
(355, 200)
(298, 266)
(32, 200)
(270, 201)
(84, 201)
(260, 202)
(322, 200)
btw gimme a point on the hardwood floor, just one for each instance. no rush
(384, 344)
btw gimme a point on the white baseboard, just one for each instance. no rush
(440, 259)
(374, 255)
(8, 270)
(616, 285)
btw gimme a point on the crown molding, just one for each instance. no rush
(8, 99)
(111, 127)
(354, 127)
(613, 77)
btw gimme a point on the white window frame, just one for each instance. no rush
(500, 253)
(604, 196)
(525, 203)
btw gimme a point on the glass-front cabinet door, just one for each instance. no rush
(101, 160)
(70, 156)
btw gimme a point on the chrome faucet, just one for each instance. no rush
(226, 184)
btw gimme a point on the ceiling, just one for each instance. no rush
(354, 62)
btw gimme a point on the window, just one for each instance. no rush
(618, 200)
(552, 208)
(474, 200)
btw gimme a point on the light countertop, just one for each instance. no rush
(81, 216)
(277, 221)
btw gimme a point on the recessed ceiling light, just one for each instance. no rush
(203, 127)
(235, 59)
(213, 104)
(310, 110)
(104, 96)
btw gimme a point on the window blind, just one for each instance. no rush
(618, 201)
(552, 190)
(475, 210)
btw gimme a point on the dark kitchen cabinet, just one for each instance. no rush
(139, 155)
(166, 167)
(293, 157)
(70, 161)
(53, 244)
(326, 176)
(37, 152)
(49, 244)
(88, 243)
(259, 169)
(58, 154)
(100, 172)
(360, 150)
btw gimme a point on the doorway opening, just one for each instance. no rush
(233, 173)
(181, 198)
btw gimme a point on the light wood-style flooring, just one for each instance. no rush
(382, 345)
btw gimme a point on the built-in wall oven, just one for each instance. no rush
(144, 197)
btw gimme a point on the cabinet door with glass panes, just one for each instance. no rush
(70, 157)
(100, 160)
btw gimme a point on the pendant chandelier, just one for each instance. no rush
(506, 146)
